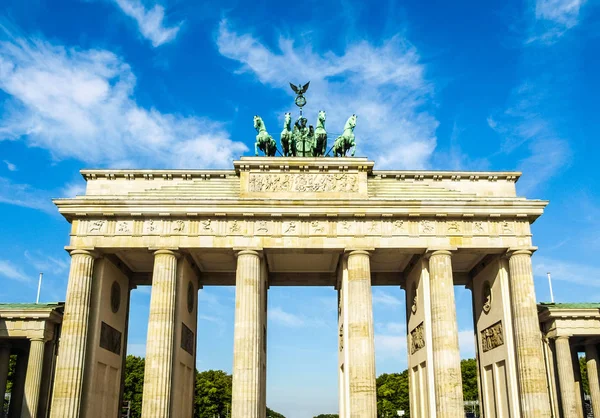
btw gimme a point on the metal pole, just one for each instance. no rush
(37, 300)
(550, 284)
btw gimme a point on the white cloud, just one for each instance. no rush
(385, 85)
(575, 273)
(150, 22)
(26, 196)
(278, 315)
(12, 272)
(47, 264)
(523, 123)
(73, 189)
(79, 104)
(390, 346)
(382, 298)
(10, 166)
(136, 350)
(553, 18)
(466, 342)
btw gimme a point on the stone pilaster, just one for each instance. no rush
(446, 354)
(247, 339)
(591, 356)
(158, 373)
(16, 400)
(361, 345)
(533, 387)
(68, 382)
(566, 378)
(4, 360)
(33, 379)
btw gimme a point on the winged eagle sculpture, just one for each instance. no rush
(300, 90)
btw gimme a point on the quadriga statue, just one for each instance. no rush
(264, 141)
(344, 142)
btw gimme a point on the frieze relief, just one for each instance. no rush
(304, 183)
(301, 227)
(417, 339)
(492, 337)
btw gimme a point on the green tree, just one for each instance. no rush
(392, 394)
(213, 394)
(273, 414)
(327, 416)
(468, 370)
(134, 384)
(584, 377)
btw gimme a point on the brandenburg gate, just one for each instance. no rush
(301, 221)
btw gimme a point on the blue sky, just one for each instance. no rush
(436, 85)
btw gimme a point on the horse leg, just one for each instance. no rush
(256, 149)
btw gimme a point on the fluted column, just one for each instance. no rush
(444, 330)
(4, 360)
(33, 379)
(247, 341)
(68, 382)
(361, 344)
(566, 377)
(533, 387)
(158, 373)
(591, 357)
(16, 398)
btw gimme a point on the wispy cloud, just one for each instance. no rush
(553, 18)
(278, 315)
(10, 166)
(466, 343)
(47, 264)
(382, 298)
(384, 84)
(151, 22)
(76, 188)
(566, 271)
(523, 123)
(80, 104)
(12, 272)
(25, 195)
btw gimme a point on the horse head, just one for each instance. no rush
(257, 122)
(287, 120)
(322, 116)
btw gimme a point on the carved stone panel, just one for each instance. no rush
(110, 339)
(492, 337)
(303, 183)
(417, 338)
(187, 339)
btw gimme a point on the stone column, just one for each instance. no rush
(446, 353)
(247, 339)
(566, 377)
(33, 378)
(361, 344)
(591, 357)
(16, 399)
(68, 381)
(158, 373)
(4, 360)
(533, 387)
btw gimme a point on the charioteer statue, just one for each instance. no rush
(304, 140)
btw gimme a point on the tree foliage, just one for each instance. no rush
(392, 394)
(468, 370)
(134, 384)
(212, 392)
(584, 377)
(327, 416)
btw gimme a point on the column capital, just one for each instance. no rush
(521, 251)
(258, 252)
(167, 251)
(430, 252)
(563, 337)
(83, 251)
(358, 251)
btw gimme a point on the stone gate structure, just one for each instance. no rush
(301, 221)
